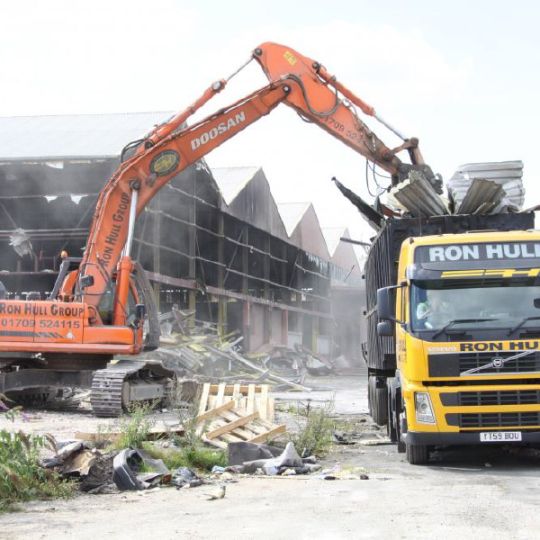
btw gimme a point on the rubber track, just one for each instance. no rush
(106, 395)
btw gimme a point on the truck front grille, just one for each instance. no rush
(492, 420)
(499, 397)
(453, 365)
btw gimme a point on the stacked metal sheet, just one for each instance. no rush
(418, 198)
(482, 197)
(501, 187)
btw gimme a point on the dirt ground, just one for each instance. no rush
(483, 492)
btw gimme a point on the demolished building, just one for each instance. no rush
(212, 241)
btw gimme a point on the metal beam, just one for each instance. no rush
(193, 286)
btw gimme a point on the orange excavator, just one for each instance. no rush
(99, 303)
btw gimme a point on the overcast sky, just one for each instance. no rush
(462, 76)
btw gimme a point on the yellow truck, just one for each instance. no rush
(453, 346)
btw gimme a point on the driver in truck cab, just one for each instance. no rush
(433, 312)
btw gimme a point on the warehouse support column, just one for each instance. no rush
(246, 324)
(192, 243)
(269, 320)
(222, 301)
(246, 306)
(156, 240)
(285, 327)
(314, 333)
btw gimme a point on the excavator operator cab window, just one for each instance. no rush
(105, 307)
(132, 304)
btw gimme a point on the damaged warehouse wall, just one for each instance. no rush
(212, 241)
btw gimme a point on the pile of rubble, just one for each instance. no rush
(194, 349)
(237, 420)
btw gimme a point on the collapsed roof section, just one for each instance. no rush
(243, 192)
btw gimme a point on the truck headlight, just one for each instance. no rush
(423, 408)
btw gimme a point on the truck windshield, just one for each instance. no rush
(502, 304)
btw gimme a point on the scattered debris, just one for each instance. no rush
(193, 348)
(99, 477)
(288, 460)
(340, 473)
(240, 452)
(340, 437)
(184, 477)
(129, 470)
(158, 431)
(218, 493)
(20, 242)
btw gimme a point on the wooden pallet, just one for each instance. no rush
(249, 398)
(225, 424)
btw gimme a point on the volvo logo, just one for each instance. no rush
(497, 363)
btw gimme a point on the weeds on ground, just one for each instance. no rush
(21, 476)
(135, 428)
(315, 428)
(193, 457)
(188, 450)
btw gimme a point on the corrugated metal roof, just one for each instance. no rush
(291, 214)
(72, 136)
(232, 180)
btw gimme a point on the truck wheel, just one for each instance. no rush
(391, 425)
(417, 454)
(400, 427)
(371, 394)
(401, 422)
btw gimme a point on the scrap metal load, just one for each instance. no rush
(475, 188)
(481, 197)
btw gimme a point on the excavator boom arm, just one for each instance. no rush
(148, 172)
(295, 80)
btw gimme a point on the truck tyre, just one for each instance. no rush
(417, 454)
(379, 404)
(391, 425)
(371, 394)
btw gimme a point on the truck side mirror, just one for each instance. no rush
(385, 310)
(386, 303)
(385, 328)
(537, 303)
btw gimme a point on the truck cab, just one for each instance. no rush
(465, 316)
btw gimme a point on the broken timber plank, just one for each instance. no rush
(263, 401)
(241, 421)
(220, 395)
(215, 412)
(112, 436)
(266, 435)
(204, 399)
(249, 397)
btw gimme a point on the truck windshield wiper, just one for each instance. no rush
(521, 323)
(458, 321)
